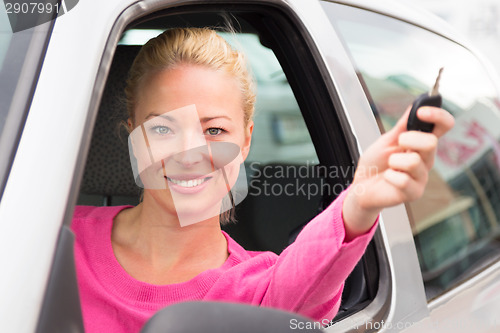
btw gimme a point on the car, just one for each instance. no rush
(332, 76)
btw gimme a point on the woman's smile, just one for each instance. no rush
(188, 184)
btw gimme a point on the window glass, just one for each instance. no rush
(5, 35)
(18, 67)
(456, 223)
(5, 40)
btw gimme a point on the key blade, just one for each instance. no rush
(435, 89)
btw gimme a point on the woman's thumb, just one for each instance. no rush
(400, 126)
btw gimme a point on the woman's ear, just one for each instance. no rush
(130, 125)
(245, 149)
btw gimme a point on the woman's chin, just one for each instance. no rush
(193, 200)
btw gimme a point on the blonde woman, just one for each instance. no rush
(188, 88)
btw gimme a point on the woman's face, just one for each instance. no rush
(189, 139)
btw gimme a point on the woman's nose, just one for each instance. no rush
(192, 150)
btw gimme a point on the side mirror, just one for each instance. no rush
(219, 317)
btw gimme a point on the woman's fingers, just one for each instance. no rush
(400, 127)
(443, 121)
(408, 188)
(408, 174)
(403, 160)
(410, 163)
(424, 144)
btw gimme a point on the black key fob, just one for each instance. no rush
(415, 124)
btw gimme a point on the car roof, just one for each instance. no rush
(400, 9)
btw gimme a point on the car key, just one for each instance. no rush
(428, 99)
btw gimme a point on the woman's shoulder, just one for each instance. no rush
(87, 215)
(84, 211)
(97, 212)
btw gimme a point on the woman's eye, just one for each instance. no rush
(162, 130)
(214, 131)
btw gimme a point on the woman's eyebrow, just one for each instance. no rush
(165, 116)
(206, 119)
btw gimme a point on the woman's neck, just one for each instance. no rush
(152, 247)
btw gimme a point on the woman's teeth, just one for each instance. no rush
(188, 183)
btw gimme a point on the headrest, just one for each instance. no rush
(108, 171)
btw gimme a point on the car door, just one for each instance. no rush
(455, 224)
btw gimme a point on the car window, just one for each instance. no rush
(5, 37)
(20, 57)
(456, 223)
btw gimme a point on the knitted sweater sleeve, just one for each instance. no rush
(309, 275)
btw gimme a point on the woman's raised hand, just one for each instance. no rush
(393, 170)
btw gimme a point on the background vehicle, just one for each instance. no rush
(332, 76)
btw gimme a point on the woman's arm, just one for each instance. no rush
(308, 276)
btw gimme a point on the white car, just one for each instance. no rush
(332, 75)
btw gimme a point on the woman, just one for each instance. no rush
(133, 261)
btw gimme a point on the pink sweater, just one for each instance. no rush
(306, 278)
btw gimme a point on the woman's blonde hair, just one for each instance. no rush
(197, 46)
